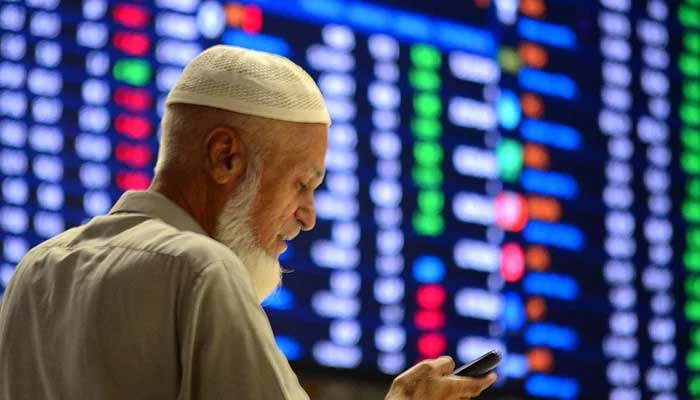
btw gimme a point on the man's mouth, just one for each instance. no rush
(283, 238)
(281, 244)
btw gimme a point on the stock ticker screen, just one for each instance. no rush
(513, 175)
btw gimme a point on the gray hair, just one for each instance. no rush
(182, 132)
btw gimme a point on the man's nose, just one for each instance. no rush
(307, 217)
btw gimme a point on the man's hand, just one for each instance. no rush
(431, 380)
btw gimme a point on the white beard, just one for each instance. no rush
(233, 230)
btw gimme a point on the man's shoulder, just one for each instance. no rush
(190, 246)
(149, 236)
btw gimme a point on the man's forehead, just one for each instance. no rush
(303, 147)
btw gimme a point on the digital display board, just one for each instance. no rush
(513, 175)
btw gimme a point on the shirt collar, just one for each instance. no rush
(157, 206)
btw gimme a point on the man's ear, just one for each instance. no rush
(225, 155)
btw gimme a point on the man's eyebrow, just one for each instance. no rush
(318, 173)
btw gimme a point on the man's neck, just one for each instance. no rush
(195, 199)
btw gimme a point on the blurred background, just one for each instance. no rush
(513, 175)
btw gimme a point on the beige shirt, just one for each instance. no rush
(137, 304)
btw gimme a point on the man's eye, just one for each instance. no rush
(302, 186)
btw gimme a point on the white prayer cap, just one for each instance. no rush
(250, 82)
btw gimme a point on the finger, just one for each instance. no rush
(490, 378)
(443, 365)
(460, 387)
(486, 382)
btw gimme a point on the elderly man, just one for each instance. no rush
(160, 299)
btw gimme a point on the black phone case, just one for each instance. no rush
(481, 366)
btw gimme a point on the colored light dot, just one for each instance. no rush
(424, 79)
(690, 162)
(429, 319)
(531, 104)
(533, 55)
(540, 359)
(512, 264)
(691, 211)
(533, 8)
(427, 177)
(543, 208)
(428, 269)
(513, 311)
(130, 15)
(691, 90)
(427, 105)
(132, 180)
(695, 337)
(692, 286)
(132, 43)
(691, 41)
(690, 138)
(692, 238)
(690, 113)
(689, 65)
(693, 188)
(508, 110)
(430, 297)
(537, 258)
(693, 360)
(132, 71)
(428, 225)
(535, 156)
(694, 386)
(425, 56)
(426, 128)
(135, 127)
(234, 14)
(132, 99)
(509, 60)
(511, 211)
(536, 309)
(692, 311)
(431, 201)
(691, 260)
(428, 153)
(137, 156)
(252, 19)
(689, 17)
(432, 345)
(509, 155)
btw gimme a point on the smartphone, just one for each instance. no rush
(480, 366)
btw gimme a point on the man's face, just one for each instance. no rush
(290, 174)
(274, 202)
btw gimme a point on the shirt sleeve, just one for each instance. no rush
(227, 349)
